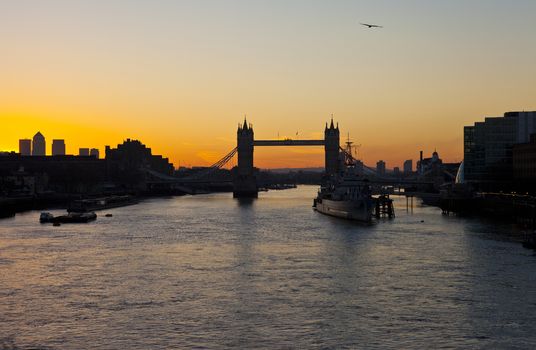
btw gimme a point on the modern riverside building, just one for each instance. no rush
(524, 164)
(58, 147)
(94, 152)
(38, 145)
(488, 148)
(84, 152)
(25, 147)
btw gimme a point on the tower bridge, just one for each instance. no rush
(244, 177)
(245, 182)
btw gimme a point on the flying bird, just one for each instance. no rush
(370, 25)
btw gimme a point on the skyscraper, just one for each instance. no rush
(25, 147)
(58, 147)
(38, 145)
(380, 167)
(408, 166)
(94, 152)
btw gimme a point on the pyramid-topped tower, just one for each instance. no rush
(331, 147)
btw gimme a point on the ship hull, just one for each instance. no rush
(359, 211)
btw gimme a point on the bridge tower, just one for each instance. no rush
(245, 182)
(331, 148)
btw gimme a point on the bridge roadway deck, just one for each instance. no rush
(288, 143)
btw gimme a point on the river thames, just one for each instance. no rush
(211, 272)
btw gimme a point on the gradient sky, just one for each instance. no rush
(179, 75)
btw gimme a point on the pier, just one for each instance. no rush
(384, 207)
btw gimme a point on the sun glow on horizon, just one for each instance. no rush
(180, 75)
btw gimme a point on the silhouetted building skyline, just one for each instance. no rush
(60, 174)
(94, 152)
(488, 160)
(38, 145)
(380, 167)
(408, 166)
(129, 164)
(25, 147)
(430, 166)
(124, 169)
(58, 147)
(83, 152)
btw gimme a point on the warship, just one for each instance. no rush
(348, 194)
(348, 198)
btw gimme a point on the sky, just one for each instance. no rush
(180, 75)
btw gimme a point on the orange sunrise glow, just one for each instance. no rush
(179, 77)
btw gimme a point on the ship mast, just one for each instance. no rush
(349, 159)
(349, 146)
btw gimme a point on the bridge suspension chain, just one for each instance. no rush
(218, 165)
(222, 162)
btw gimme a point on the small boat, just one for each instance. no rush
(45, 217)
(76, 218)
(69, 218)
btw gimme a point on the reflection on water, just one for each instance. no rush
(212, 272)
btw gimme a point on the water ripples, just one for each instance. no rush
(212, 272)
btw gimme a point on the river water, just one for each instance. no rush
(212, 272)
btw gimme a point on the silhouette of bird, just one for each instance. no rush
(370, 25)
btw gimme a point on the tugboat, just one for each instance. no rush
(348, 195)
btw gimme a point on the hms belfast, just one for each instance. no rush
(344, 193)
